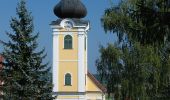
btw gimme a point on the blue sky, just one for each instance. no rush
(42, 12)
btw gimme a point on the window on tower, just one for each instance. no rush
(68, 79)
(68, 42)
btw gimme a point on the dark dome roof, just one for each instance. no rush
(70, 9)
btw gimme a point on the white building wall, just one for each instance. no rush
(55, 60)
(81, 60)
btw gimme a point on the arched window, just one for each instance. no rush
(68, 42)
(67, 79)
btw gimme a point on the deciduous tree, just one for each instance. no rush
(143, 27)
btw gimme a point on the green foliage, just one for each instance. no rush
(142, 20)
(142, 56)
(141, 74)
(130, 73)
(25, 75)
(109, 68)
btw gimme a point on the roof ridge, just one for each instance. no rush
(98, 84)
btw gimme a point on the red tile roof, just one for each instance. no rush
(98, 84)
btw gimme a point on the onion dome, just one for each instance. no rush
(70, 9)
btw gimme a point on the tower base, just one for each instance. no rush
(69, 96)
(78, 96)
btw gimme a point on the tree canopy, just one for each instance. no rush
(146, 21)
(25, 75)
(141, 55)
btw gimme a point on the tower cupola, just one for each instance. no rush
(70, 9)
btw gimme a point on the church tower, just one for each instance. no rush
(70, 48)
(70, 73)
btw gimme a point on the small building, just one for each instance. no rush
(71, 78)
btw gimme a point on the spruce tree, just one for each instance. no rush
(25, 75)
